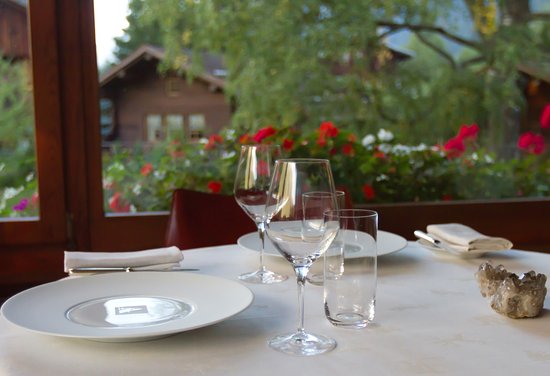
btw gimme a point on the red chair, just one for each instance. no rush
(199, 219)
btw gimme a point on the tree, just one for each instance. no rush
(281, 57)
(138, 32)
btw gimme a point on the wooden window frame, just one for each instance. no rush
(69, 155)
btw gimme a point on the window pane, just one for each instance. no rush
(18, 177)
(174, 127)
(416, 117)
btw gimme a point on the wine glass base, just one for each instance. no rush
(263, 276)
(302, 344)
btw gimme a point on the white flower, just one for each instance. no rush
(368, 140)
(12, 192)
(159, 174)
(384, 135)
(228, 155)
(29, 177)
(489, 159)
(137, 189)
(385, 148)
(401, 149)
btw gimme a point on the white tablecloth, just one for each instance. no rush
(430, 319)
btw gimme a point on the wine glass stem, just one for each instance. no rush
(261, 234)
(301, 272)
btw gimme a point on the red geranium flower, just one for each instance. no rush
(545, 117)
(379, 154)
(244, 139)
(264, 133)
(454, 147)
(468, 132)
(146, 169)
(35, 199)
(328, 129)
(117, 205)
(213, 141)
(263, 168)
(215, 186)
(368, 191)
(321, 140)
(347, 149)
(531, 143)
(288, 144)
(352, 137)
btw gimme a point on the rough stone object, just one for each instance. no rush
(510, 295)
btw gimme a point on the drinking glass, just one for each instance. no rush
(315, 276)
(351, 271)
(250, 190)
(296, 226)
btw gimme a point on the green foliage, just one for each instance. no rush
(17, 156)
(381, 171)
(137, 32)
(281, 57)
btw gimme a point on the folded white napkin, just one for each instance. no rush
(151, 259)
(466, 239)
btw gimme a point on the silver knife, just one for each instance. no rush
(435, 242)
(124, 269)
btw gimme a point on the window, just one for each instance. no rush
(153, 127)
(68, 149)
(197, 126)
(173, 88)
(174, 127)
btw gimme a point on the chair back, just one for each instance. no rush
(200, 219)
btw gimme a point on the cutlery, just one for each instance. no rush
(435, 242)
(124, 269)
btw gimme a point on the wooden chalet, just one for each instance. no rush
(139, 104)
(14, 37)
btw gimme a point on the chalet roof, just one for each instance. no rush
(213, 65)
(538, 71)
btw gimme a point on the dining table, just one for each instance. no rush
(430, 320)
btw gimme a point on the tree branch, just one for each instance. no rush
(433, 29)
(436, 48)
(474, 60)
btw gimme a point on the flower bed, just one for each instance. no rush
(374, 169)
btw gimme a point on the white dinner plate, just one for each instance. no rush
(125, 307)
(387, 243)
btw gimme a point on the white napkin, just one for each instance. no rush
(466, 239)
(151, 259)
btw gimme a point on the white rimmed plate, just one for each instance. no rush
(387, 243)
(125, 307)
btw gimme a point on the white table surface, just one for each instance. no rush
(430, 319)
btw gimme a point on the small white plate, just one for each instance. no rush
(127, 307)
(387, 243)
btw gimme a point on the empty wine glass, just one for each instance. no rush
(296, 226)
(251, 186)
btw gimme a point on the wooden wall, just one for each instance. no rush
(142, 91)
(14, 42)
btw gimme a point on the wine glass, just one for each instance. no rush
(250, 190)
(296, 226)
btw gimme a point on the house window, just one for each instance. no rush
(197, 126)
(106, 116)
(153, 126)
(173, 86)
(174, 127)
